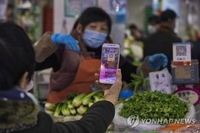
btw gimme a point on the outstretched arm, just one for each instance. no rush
(96, 120)
(50, 48)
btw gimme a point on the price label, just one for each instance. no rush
(160, 81)
(189, 94)
(182, 52)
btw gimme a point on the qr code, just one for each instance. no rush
(111, 56)
(181, 50)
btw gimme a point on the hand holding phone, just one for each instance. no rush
(109, 63)
(111, 92)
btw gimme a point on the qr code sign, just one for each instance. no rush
(181, 50)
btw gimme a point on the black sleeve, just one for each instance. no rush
(127, 68)
(50, 62)
(96, 120)
(147, 49)
(196, 51)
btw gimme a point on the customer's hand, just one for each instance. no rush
(111, 92)
(158, 60)
(67, 40)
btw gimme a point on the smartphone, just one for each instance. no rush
(109, 63)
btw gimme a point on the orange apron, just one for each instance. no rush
(81, 83)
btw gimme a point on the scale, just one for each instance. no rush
(185, 71)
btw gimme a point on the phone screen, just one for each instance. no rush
(109, 63)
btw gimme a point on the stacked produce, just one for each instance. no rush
(138, 83)
(74, 105)
(155, 105)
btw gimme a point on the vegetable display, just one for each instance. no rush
(155, 105)
(138, 83)
(74, 105)
(137, 63)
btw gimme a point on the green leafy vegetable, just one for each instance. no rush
(74, 104)
(58, 110)
(50, 107)
(65, 111)
(138, 83)
(82, 109)
(88, 99)
(120, 100)
(77, 101)
(154, 105)
(137, 63)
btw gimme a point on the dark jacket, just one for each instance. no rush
(19, 114)
(161, 42)
(195, 52)
(96, 120)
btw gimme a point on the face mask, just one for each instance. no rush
(152, 29)
(93, 39)
(29, 86)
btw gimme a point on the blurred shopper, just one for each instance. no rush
(162, 40)
(153, 24)
(136, 33)
(133, 46)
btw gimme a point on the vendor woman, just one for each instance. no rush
(76, 57)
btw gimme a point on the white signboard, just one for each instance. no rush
(160, 81)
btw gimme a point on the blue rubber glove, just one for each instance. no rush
(157, 60)
(66, 40)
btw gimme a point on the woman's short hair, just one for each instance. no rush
(95, 14)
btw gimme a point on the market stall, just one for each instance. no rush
(132, 115)
(165, 87)
(152, 104)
